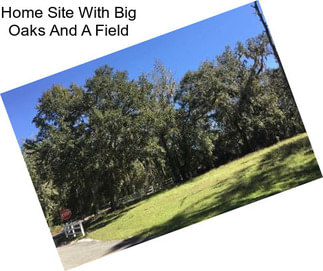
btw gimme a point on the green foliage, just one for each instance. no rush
(245, 180)
(115, 136)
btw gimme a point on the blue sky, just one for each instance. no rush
(180, 51)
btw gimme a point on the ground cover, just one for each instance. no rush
(285, 165)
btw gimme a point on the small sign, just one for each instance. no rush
(66, 214)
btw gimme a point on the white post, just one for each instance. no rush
(72, 226)
(65, 230)
(81, 226)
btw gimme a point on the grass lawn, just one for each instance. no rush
(56, 229)
(245, 180)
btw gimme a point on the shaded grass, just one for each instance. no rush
(56, 229)
(253, 177)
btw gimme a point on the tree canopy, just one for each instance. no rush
(114, 136)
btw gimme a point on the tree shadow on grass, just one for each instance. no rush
(105, 219)
(272, 175)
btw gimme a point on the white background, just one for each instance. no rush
(283, 232)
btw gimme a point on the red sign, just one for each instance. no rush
(66, 214)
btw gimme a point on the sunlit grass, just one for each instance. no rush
(255, 176)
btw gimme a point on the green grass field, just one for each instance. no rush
(250, 178)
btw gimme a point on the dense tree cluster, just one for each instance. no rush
(114, 136)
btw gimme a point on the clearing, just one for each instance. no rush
(285, 165)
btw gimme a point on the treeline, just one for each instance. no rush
(114, 136)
